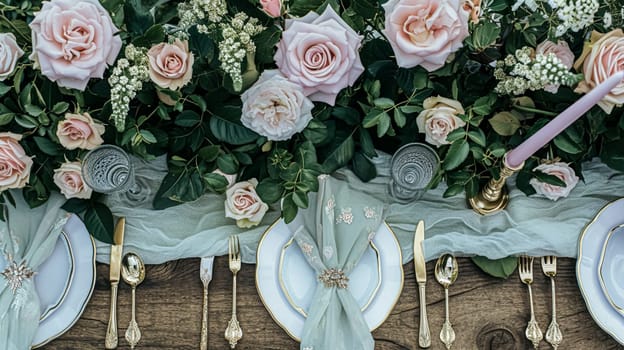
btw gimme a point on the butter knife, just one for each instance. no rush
(115, 268)
(205, 274)
(424, 335)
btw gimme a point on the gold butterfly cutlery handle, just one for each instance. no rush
(111, 332)
(424, 334)
(203, 345)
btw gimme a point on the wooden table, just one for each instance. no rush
(487, 313)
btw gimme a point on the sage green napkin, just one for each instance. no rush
(27, 239)
(333, 233)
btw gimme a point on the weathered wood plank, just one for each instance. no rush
(487, 313)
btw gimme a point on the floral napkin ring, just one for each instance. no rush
(334, 277)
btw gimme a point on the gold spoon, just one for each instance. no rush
(446, 271)
(133, 273)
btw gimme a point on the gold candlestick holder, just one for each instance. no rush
(494, 196)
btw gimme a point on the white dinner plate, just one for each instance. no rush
(610, 268)
(298, 279)
(271, 294)
(81, 285)
(591, 242)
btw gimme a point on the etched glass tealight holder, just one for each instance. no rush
(108, 169)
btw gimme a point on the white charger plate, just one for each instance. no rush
(591, 242)
(81, 285)
(610, 268)
(273, 298)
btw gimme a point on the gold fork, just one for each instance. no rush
(233, 332)
(525, 270)
(553, 333)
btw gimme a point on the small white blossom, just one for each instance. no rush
(126, 81)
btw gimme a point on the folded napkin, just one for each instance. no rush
(333, 233)
(27, 238)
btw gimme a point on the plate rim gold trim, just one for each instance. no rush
(600, 263)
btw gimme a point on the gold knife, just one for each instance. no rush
(115, 268)
(424, 335)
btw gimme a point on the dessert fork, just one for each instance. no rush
(553, 333)
(525, 270)
(233, 332)
(205, 274)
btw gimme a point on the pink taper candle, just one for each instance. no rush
(526, 149)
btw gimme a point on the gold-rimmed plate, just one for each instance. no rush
(610, 268)
(68, 311)
(298, 280)
(591, 243)
(273, 298)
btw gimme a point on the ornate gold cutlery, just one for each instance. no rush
(205, 274)
(525, 270)
(424, 335)
(553, 333)
(233, 332)
(115, 267)
(133, 273)
(446, 270)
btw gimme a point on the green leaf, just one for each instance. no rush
(300, 8)
(453, 190)
(501, 268)
(209, 153)
(60, 107)
(374, 117)
(347, 114)
(270, 190)
(504, 123)
(455, 135)
(363, 167)
(147, 136)
(316, 131)
(4, 89)
(477, 136)
(613, 154)
(33, 110)
(227, 163)
(484, 35)
(6, 118)
(153, 35)
(301, 199)
(366, 143)
(384, 125)
(457, 153)
(26, 121)
(548, 178)
(340, 156)
(265, 44)
(215, 182)
(75, 205)
(187, 119)
(201, 44)
(383, 103)
(289, 208)
(399, 118)
(565, 143)
(483, 105)
(99, 222)
(227, 130)
(137, 16)
(47, 146)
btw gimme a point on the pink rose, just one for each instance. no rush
(320, 53)
(275, 107)
(439, 118)
(79, 131)
(425, 32)
(10, 52)
(171, 65)
(69, 180)
(602, 58)
(243, 204)
(272, 8)
(560, 170)
(15, 165)
(73, 41)
(563, 53)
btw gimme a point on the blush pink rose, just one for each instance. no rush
(68, 178)
(10, 52)
(425, 32)
(79, 131)
(272, 8)
(320, 53)
(561, 170)
(439, 118)
(243, 204)
(15, 164)
(275, 107)
(603, 58)
(73, 41)
(171, 65)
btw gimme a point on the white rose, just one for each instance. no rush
(561, 170)
(275, 107)
(243, 204)
(439, 118)
(69, 180)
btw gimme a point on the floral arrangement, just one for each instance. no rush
(272, 93)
